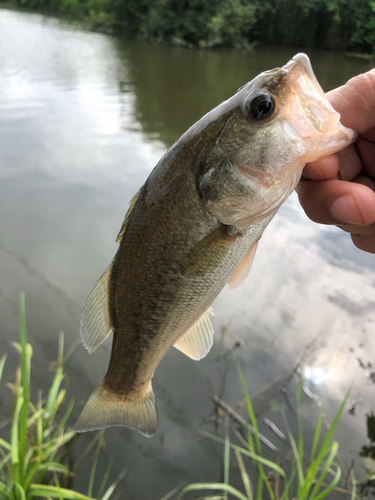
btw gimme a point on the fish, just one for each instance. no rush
(193, 228)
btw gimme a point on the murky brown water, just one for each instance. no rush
(84, 117)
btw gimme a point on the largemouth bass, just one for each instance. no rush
(193, 228)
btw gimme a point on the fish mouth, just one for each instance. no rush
(311, 115)
(318, 112)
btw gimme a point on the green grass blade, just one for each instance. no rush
(254, 423)
(248, 404)
(5, 444)
(46, 466)
(70, 350)
(20, 493)
(288, 485)
(89, 447)
(5, 460)
(51, 449)
(95, 461)
(212, 486)
(299, 417)
(317, 434)
(26, 461)
(25, 363)
(6, 491)
(2, 363)
(53, 392)
(41, 490)
(63, 421)
(105, 479)
(15, 450)
(257, 458)
(332, 429)
(332, 453)
(110, 490)
(334, 483)
(226, 457)
(299, 464)
(244, 475)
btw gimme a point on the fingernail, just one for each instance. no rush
(345, 210)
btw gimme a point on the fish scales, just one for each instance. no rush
(194, 227)
(160, 300)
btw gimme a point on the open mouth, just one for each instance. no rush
(312, 114)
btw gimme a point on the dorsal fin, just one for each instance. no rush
(132, 204)
(243, 269)
(197, 342)
(96, 323)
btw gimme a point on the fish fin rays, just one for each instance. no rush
(191, 264)
(243, 269)
(106, 409)
(124, 226)
(96, 323)
(197, 342)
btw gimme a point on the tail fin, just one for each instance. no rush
(105, 409)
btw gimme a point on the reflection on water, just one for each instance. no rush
(84, 117)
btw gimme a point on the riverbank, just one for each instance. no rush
(338, 25)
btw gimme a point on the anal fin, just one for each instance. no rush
(197, 342)
(243, 269)
(96, 323)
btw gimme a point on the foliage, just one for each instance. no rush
(327, 24)
(314, 482)
(32, 459)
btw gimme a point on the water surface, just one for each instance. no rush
(84, 117)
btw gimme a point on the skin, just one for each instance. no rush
(340, 189)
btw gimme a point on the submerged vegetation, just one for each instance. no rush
(347, 25)
(33, 459)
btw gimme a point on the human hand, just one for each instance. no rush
(340, 189)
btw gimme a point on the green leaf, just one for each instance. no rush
(212, 486)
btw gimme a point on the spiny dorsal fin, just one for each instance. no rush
(105, 408)
(132, 203)
(95, 319)
(197, 342)
(243, 269)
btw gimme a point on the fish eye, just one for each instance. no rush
(260, 106)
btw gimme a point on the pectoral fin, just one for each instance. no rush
(132, 204)
(243, 269)
(208, 253)
(197, 342)
(96, 323)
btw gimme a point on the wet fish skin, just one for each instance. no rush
(192, 224)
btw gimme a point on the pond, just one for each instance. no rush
(84, 117)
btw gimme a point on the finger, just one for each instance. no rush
(366, 151)
(337, 202)
(350, 164)
(362, 230)
(355, 101)
(325, 168)
(364, 243)
(369, 135)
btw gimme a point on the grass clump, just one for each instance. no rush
(311, 476)
(32, 459)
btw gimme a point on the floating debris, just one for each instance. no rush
(243, 422)
(274, 428)
(310, 394)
